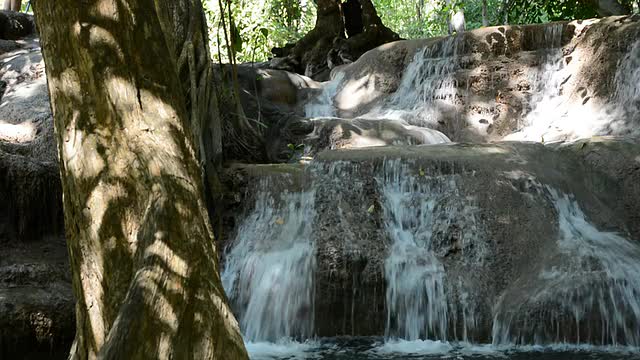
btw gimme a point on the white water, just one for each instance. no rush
(269, 269)
(627, 82)
(323, 105)
(428, 86)
(283, 349)
(416, 206)
(554, 115)
(596, 285)
(422, 347)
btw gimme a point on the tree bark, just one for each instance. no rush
(311, 55)
(485, 18)
(129, 82)
(12, 5)
(611, 7)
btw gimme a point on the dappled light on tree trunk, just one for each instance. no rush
(349, 179)
(130, 129)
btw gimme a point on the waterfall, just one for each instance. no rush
(428, 86)
(323, 105)
(416, 300)
(270, 266)
(591, 294)
(547, 103)
(417, 206)
(554, 115)
(627, 82)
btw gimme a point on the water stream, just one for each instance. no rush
(583, 302)
(269, 269)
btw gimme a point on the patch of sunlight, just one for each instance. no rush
(357, 92)
(567, 121)
(148, 279)
(15, 64)
(264, 74)
(26, 91)
(517, 175)
(387, 46)
(493, 150)
(107, 9)
(17, 133)
(81, 152)
(97, 205)
(68, 82)
(159, 249)
(220, 307)
(164, 347)
(366, 141)
(92, 268)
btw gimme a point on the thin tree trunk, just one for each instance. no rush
(505, 12)
(485, 19)
(310, 54)
(129, 82)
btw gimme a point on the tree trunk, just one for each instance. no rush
(504, 11)
(485, 19)
(12, 5)
(327, 45)
(611, 7)
(129, 83)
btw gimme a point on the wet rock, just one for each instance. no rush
(36, 301)
(16, 25)
(498, 231)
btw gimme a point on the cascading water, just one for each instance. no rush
(428, 84)
(416, 299)
(546, 82)
(554, 115)
(592, 293)
(323, 105)
(270, 266)
(416, 207)
(583, 288)
(627, 82)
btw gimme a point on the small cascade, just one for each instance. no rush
(553, 115)
(628, 82)
(269, 268)
(323, 105)
(547, 103)
(590, 296)
(427, 85)
(416, 207)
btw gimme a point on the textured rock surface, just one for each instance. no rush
(495, 82)
(513, 223)
(557, 81)
(36, 302)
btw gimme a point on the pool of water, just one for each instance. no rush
(377, 349)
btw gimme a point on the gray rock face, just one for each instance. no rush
(36, 302)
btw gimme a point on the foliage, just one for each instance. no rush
(257, 26)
